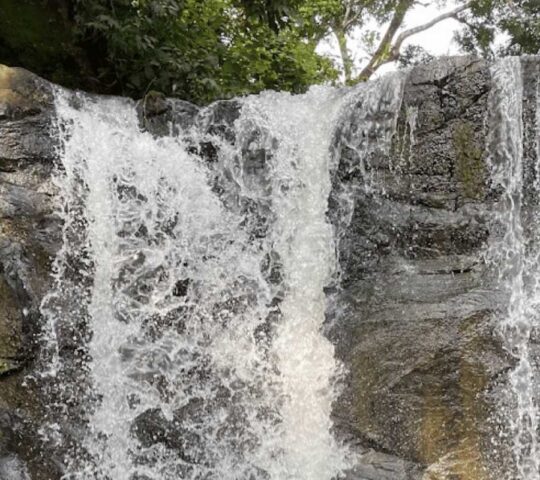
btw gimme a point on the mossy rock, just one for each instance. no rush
(419, 392)
(22, 93)
(470, 166)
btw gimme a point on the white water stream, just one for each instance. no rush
(198, 289)
(518, 261)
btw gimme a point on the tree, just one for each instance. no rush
(198, 50)
(275, 13)
(389, 48)
(517, 20)
(201, 50)
(341, 18)
(345, 17)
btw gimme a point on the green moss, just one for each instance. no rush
(440, 387)
(4, 367)
(10, 323)
(470, 167)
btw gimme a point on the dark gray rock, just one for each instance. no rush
(151, 427)
(413, 320)
(30, 234)
(12, 468)
(163, 116)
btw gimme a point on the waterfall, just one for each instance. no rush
(214, 270)
(184, 335)
(518, 261)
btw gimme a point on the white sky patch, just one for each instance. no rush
(438, 40)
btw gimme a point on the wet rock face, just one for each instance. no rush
(415, 324)
(163, 116)
(30, 235)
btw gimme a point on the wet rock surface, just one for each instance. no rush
(30, 235)
(375, 465)
(163, 116)
(414, 321)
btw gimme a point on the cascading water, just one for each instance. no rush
(518, 261)
(184, 334)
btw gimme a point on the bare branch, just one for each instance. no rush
(347, 13)
(426, 26)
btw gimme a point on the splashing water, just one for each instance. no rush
(184, 333)
(517, 259)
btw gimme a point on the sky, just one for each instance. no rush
(438, 40)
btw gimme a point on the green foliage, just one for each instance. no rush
(35, 34)
(522, 22)
(413, 55)
(275, 13)
(199, 50)
(168, 45)
(518, 20)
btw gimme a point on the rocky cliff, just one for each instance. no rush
(414, 308)
(415, 320)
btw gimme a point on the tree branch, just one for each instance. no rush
(384, 45)
(346, 59)
(353, 20)
(386, 51)
(426, 26)
(347, 12)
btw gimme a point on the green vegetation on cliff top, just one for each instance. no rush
(201, 50)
